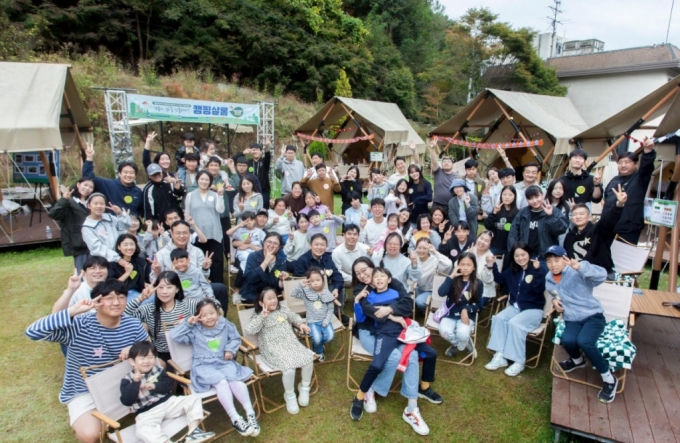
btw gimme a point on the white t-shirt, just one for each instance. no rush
(82, 293)
(370, 235)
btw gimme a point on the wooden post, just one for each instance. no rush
(661, 242)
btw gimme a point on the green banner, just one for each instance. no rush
(183, 110)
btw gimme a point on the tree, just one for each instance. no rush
(343, 88)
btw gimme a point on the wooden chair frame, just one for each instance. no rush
(298, 306)
(109, 416)
(433, 303)
(251, 347)
(180, 361)
(615, 301)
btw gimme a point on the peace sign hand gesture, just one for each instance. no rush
(155, 265)
(448, 234)
(621, 196)
(149, 138)
(116, 209)
(412, 145)
(597, 180)
(89, 152)
(83, 306)
(207, 263)
(75, 280)
(497, 208)
(575, 264)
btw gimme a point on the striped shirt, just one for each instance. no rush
(89, 344)
(145, 313)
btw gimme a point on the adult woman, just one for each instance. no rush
(424, 229)
(205, 207)
(348, 184)
(398, 198)
(493, 189)
(265, 268)
(70, 212)
(362, 276)
(420, 192)
(558, 199)
(525, 280)
(402, 268)
(440, 222)
(294, 199)
(500, 220)
(431, 262)
(100, 230)
(312, 202)
(247, 199)
(134, 270)
(162, 159)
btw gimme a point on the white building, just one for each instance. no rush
(547, 47)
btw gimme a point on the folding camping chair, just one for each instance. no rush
(629, 259)
(433, 303)
(493, 303)
(298, 306)
(104, 387)
(615, 301)
(259, 364)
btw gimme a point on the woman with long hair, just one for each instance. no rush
(419, 192)
(500, 220)
(247, 198)
(350, 183)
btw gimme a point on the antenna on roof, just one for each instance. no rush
(553, 23)
(670, 17)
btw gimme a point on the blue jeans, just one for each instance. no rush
(320, 336)
(182, 173)
(583, 335)
(421, 299)
(509, 330)
(382, 384)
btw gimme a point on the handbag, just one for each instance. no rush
(444, 310)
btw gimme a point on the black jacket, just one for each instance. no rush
(472, 306)
(346, 188)
(500, 225)
(402, 307)
(635, 185)
(452, 248)
(259, 168)
(161, 197)
(594, 243)
(549, 228)
(70, 216)
(580, 187)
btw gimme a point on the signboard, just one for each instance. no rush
(661, 212)
(192, 111)
(376, 156)
(31, 166)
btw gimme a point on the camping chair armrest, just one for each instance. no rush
(179, 378)
(176, 367)
(243, 349)
(631, 320)
(638, 273)
(98, 415)
(250, 347)
(502, 297)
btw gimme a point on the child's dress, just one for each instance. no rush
(280, 348)
(208, 366)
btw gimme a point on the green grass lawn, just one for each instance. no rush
(479, 406)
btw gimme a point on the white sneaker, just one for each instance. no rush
(233, 269)
(303, 397)
(416, 421)
(498, 361)
(514, 369)
(291, 402)
(236, 298)
(370, 405)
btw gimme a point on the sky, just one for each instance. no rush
(619, 24)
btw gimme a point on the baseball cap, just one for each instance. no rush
(153, 168)
(556, 250)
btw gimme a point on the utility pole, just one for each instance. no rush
(553, 23)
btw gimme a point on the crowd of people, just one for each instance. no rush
(152, 259)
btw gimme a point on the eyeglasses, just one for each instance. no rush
(120, 298)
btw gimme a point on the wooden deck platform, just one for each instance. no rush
(30, 235)
(647, 411)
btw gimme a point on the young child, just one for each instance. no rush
(279, 219)
(378, 187)
(571, 284)
(154, 238)
(459, 243)
(357, 210)
(392, 226)
(297, 243)
(463, 294)
(246, 238)
(208, 151)
(387, 334)
(327, 227)
(397, 198)
(216, 341)
(186, 148)
(273, 324)
(133, 272)
(147, 390)
(319, 305)
(194, 283)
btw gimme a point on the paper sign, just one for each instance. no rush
(376, 156)
(661, 212)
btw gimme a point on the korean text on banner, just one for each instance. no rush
(177, 109)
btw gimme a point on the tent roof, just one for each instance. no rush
(381, 118)
(556, 116)
(33, 106)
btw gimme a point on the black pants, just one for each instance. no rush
(220, 292)
(384, 345)
(217, 267)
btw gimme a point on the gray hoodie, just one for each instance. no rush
(289, 172)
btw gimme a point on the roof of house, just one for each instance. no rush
(621, 60)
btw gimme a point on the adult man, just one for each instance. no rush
(288, 168)
(530, 174)
(159, 196)
(538, 225)
(180, 234)
(95, 270)
(316, 159)
(92, 338)
(635, 182)
(590, 241)
(443, 176)
(123, 191)
(259, 165)
(580, 186)
(372, 229)
(346, 253)
(317, 256)
(322, 185)
(400, 166)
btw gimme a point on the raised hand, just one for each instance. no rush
(189, 219)
(89, 152)
(193, 319)
(363, 221)
(240, 204)
(230, 163)
(283, 149)
(536, 263)
(362, 294)
(116, 209)
(267, 141)
(501, 151)
(83, 306)
(433, 143)
(146, 292)
(310, 172)
(152, 135)
(448, 235)
(490, 260)
(412, 145)
(575, 264)
(137, 376)
(66, 193)
(571, 203)
(413, 258)
(597, 180)
(497, 208)
(648, 144)
(621, 196)
(156, 267)
(271, 202)
(467, 199)
(148, 225)
(75, 280)
(432, 249)
(207, 263)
